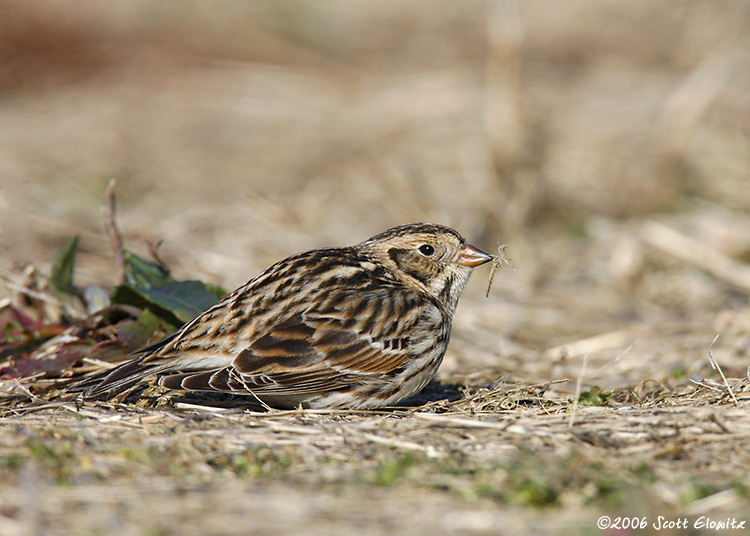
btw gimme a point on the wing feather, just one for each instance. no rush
(318, 351)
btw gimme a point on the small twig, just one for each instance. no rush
(579, 382)
(263, 404)
(25, 390)
(110, 224)
(431, 451)
(707, 386)
(99, 363)
(153, 250)
(716, 366)
(448, 421)
(200, 407)
(31, 293)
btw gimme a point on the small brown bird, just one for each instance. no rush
(359, 327)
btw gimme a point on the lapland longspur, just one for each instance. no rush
(359, 327)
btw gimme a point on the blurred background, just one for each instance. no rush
(605, 142)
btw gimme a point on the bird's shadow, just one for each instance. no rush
(434, 392)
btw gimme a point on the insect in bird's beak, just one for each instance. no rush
(471, 256)
(497, 261)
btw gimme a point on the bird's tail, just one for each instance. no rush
(111, 382)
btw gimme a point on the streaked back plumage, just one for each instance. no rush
(360, 326)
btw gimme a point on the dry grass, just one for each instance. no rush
(606, 144)
(509, 451)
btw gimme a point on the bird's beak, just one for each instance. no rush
(471, 256)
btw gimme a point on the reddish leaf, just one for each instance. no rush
(137, 334)
(65, 359)
(9, 347)
(27, 323)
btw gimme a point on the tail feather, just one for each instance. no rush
(112, 382)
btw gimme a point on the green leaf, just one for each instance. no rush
(127, 295)
(139, 271)
(147, 286)
(136, 334)
(62, 268)
(184, 299)
(138, 297)
(216, 290)
(175, 301)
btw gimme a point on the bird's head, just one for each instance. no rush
(428, 257)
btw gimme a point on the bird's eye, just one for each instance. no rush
(426, 250)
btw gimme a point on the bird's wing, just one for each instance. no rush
(334, 345)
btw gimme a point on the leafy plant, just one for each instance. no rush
(147, 286)
(63, 267)
(594, 397)
(148, 304)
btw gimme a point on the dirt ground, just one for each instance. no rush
(605, 143)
